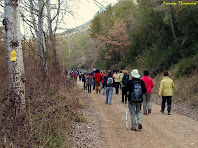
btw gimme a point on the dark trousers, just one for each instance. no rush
(168, 99)
(94, 85)
(89, 88)
(117, 84)
(85, 85)
(124, 94)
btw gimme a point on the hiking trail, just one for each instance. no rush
(159, 130)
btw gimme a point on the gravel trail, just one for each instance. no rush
(106, 126)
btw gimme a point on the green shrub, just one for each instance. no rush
(160, 59)
(186, 66)
(122, 65)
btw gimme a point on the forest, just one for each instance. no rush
(136, 35)
(149, 34)
(34, 92)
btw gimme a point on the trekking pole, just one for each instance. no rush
(126, 115)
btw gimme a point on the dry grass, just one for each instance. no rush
(51, 107)
(48, 120)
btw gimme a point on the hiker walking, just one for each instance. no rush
(66, 72)
(116, 77)
(136, 89)
(121, 74)
(124, 81)
(92, 73)
(75, 75)
(89, 82)
(147, 97)
(109, 83)
(104, 75)
(72, 74)
(80, 74)
(166, 90)
(84, 80)
(97, 78)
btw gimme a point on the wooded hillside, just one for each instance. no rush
(149, 34)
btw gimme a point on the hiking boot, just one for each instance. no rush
(168, 113)
(139, 126)
(149, 111)
(133, 129)
(162, 111)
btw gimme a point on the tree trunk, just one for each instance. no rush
(171, 21)
(55, 57)
(41, 39)
(16, 89)
(52, 33)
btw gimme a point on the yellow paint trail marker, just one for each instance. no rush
(13, 55)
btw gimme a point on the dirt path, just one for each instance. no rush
(159, 130)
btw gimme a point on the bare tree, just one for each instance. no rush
(38, 29)
(50, 20)
(44, 18)
(55, 16)
(15, 62)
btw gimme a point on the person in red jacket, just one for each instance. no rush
(97, 78)
(147, 97)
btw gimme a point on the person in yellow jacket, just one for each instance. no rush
(166, 90)
(116, 77)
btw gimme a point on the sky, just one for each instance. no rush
(86, 11)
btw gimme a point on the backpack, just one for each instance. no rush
(109, 81)
(125, 79)
(86, 80)
(137, 92)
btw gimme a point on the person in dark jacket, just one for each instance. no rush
(89, 82)
(83, 79)
(109, 84)
(135, 107)
(124, 80)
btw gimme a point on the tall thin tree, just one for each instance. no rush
(14, 55)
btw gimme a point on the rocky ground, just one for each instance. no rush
(89, 133)
(179, 107)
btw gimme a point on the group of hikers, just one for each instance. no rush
(135, 90)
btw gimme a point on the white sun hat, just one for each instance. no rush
(135, 73)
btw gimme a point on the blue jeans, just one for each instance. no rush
(135, 111)
(109, 93)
